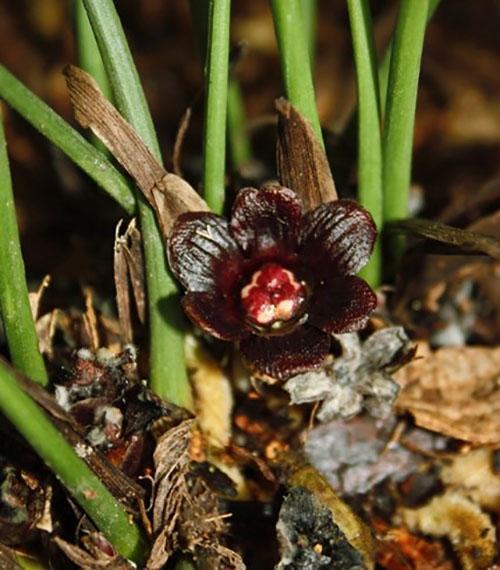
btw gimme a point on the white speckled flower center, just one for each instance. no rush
(273, 296)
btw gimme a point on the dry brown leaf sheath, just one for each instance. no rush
(302, 163)
(129, 270)
(168, 194)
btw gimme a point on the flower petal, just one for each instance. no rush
(337, 237)
(342, 305)
(215, 316)
(202, 254)
(266, 221)
(279, 357)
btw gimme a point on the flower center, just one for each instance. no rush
(273, 296)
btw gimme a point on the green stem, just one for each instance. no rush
(80, 151)
(239, 146)
(369, 136)
(89, 58)
(309, 14)
(295, 61)
(383, 71)
(167, 369)
(240, 150)
(87, 489)
(14, 301)
(397, 140)
(214, 136)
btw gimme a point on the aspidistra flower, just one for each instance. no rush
(275, 279)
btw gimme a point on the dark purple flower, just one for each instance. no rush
(275, 279)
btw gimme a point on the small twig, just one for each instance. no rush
(179, 141)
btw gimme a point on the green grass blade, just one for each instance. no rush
(369, 128)
(216, 82)
(397, 140)
(295, 60)
(53, 127)
(167, 368)
(14, 301)
(87, 489)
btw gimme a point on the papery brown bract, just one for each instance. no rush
(322, 250)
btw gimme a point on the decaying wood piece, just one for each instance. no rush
(302, 162)
(168, 194)
(300, 474)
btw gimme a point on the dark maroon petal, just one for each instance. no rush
(266, 221)
(279, 357)
(337, 237)
(342, 305)
(202, 254)
(215, 315)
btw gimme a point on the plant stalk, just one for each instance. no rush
(14, 301)
(295, 60)
(369, 127)
(383, 71)
(216, 82)
(167, 369)
(399, 120)
(240, 150)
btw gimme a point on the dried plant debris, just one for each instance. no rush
(454, 391)
(115, 411)
(22, 504)
(8, 559)
(168, 194)
(474, 475)
(98, 555)
(302, 162)
(400, 549)
(186, 512)
(360, 379)
(310, 539)
(300, 474)
(129, 273)
(355, 456)
(454, 516)
(462, 240)
(213, 394)
(451, 299)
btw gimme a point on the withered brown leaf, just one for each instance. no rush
(302, 162)
(129, 269)
(460, 240)
(168, 194)
(98, 560)
(455, 391)
(468, 528)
